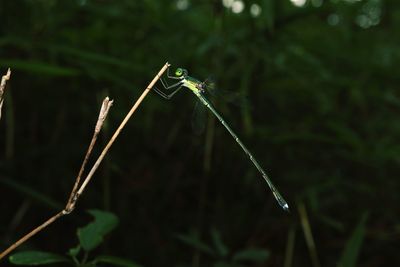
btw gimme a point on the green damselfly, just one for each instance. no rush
(199, 88)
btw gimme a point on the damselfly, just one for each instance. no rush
(199, 89)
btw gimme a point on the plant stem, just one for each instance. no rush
(121, 126)
(305, 223)
(75, 195)
(30, 234)
(3, 83)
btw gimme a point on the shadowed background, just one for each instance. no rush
(321, 82)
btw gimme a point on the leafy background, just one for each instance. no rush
(322, 83)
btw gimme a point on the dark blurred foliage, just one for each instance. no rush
(323, 119)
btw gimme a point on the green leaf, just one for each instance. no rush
(116, 261)
(218, 243)
(195, 242)
(346, 134)
(36, 258)
(91, 56)
(92, 234)
(38, 67)
(253, 254)
(353, 246)
(13, 183)
(73, 252)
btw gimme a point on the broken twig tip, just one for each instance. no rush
(5, 78)
(105, 107)
(3, 83)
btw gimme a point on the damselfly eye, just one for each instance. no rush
(179, 72)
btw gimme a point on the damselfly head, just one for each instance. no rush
(181, 72)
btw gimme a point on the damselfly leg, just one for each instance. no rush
(167, 96)
(176, 86)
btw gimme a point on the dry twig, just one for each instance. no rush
(69, 207)
(3, 83)
(75, 193)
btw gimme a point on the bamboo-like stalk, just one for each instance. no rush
(290, 246)
(75, 193)
(305, 223)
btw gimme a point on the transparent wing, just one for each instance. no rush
(210, 85)
(232, 97)
(199, 117)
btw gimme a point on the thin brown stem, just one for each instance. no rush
(72, 200)
(121, 126)
(105, 107)
(31, 233)
(75, 195)
(3, 83)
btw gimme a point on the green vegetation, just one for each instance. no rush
(322, 84)
(89, 236)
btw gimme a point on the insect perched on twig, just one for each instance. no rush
(199, 89)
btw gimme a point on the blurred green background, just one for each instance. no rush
(321, 80)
